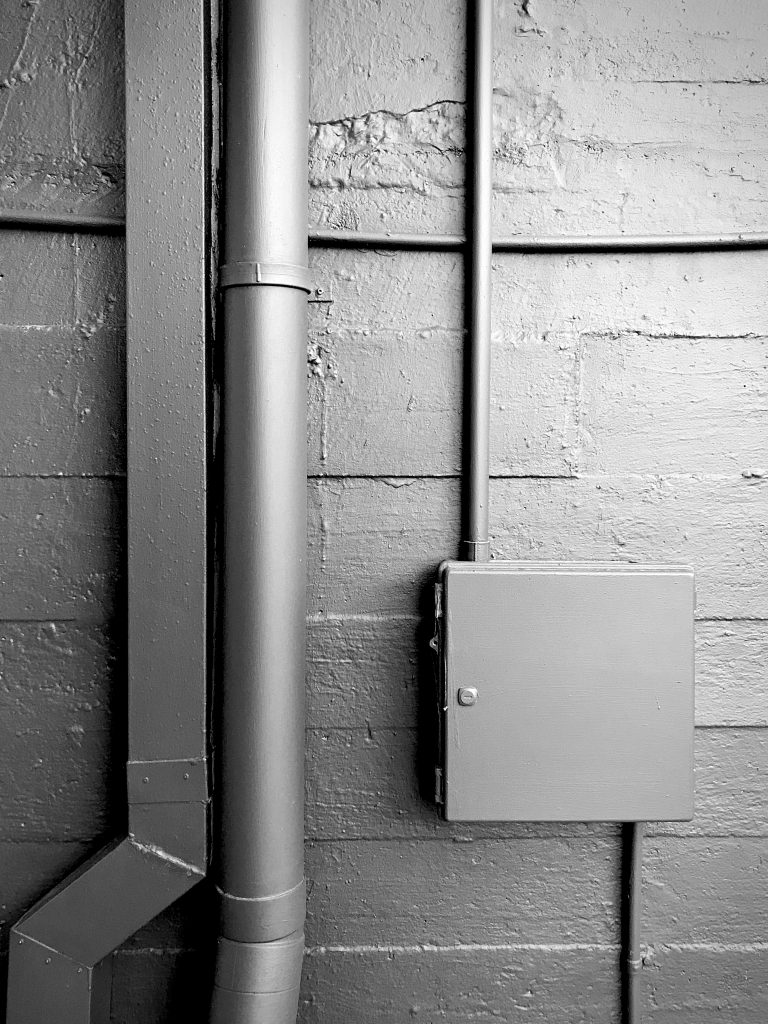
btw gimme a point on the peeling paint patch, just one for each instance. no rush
(21, 71)
(526, 122)
(418, 150)
(320, 362)
(96, 321)
(519, 18)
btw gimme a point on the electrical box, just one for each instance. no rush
(565, 691)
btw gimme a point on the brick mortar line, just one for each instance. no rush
(548, 947)
(466, 947)
(516, 947)
(62, 476)
(332, 617)
(608, 836)
(367, 727)
(342, 618)
(581, 477)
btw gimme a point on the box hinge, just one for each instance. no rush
(436, 646)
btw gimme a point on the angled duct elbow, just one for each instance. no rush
(259, 809)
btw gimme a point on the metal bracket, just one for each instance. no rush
(289, 275)
(167, 782)
(475, 550)
(247, 273)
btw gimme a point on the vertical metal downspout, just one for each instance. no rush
(479, 219)
(259, 781)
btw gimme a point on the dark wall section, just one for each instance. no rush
(628, 421)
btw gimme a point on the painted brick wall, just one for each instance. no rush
(629, 419)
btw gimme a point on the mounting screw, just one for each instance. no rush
(467, 696)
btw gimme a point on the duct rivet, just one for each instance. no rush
(467, 696)
(47, 959)
(145, 779)
(186, 776)
(319, 291)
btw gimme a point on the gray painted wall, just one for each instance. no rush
(630, 412)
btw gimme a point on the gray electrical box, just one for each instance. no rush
(566, 691)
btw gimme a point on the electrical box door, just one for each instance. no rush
(566, 691)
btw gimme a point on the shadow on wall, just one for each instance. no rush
(178, 985)
(427, 748)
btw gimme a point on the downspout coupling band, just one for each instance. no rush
(259, 919)
(287, 275)
(258, 982)
(260, 967)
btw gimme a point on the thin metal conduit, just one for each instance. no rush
(477, 388)
(631, 956)
(477, 358)
(49, 220)
(331, 238)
